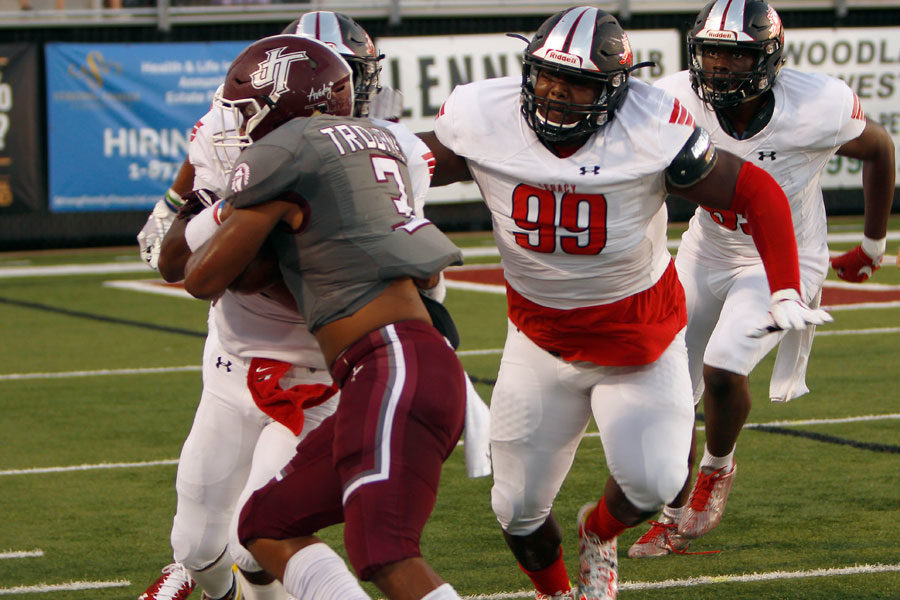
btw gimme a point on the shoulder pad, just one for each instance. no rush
(694, 161)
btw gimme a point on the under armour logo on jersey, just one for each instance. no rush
(274, 70)
(223, 363)
(764, 155)
(594, 170)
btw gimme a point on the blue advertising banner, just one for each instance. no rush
(119, 117)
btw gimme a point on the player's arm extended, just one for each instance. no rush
(720, 180)
(448, 166)
(215, 265)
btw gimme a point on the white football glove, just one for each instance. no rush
(788, 311)
(151, 235)
(387, 104)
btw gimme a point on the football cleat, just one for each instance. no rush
(566, 595)
(598, 573)
(707, 503)
(661, 539)
(175, 583)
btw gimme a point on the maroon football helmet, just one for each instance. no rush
(282, 77)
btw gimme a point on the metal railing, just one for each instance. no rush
(166, 14)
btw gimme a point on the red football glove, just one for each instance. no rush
(855, 265)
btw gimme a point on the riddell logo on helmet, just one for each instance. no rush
(721, 35)
(562, 57)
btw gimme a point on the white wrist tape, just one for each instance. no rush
(874, 248)
(203, 226)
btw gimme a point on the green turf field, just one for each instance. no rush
(98, 386)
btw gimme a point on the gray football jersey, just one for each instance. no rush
(359, 232)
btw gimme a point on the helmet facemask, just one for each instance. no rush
(366, 73)
(591, 116)
(751, 26)
(727, 89)
(239, 118)
(585, 46)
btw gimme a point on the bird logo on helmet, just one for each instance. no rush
(585, 43)
(750, 25)
(350, 40)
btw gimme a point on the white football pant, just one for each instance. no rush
(540, 410)
(233, 448)
(724, 302)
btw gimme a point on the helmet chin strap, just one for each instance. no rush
(641, 65)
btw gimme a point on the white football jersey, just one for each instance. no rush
(419, 161)
(253, 325)
(579, 231)
(209, 170)
(814, 115)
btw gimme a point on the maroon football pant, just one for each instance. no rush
(375, 464)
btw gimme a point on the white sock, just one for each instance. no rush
(712, 463)
(318, 572)
(217, 579)
(444, 592)
(673, 513)
(255, 591)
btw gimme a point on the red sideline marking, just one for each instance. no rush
(831, 296)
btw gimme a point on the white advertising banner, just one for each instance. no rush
(425, 69)
(868, 60)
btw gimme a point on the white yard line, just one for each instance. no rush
(124, 465)
(22, 270)
(801, 422)
(174, 461)
(708, 580)
(153, 286)
(64, 374)
(43, 588)
(21, 554)
(97, 269)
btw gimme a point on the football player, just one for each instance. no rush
(246, 330)
(790, 124)
(575, 161)
(331, 192)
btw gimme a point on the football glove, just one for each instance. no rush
(150, 237)
(194, 203)
(788, 311)
(387, 104)
(858, 264)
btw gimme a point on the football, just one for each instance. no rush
(261, 273)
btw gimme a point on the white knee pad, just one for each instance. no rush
(509, 513)
(656, 486)
(198, 540)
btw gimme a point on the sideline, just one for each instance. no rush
(43, 588)
(708, 580)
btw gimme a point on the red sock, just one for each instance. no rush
(601, 522)
(551, 579)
